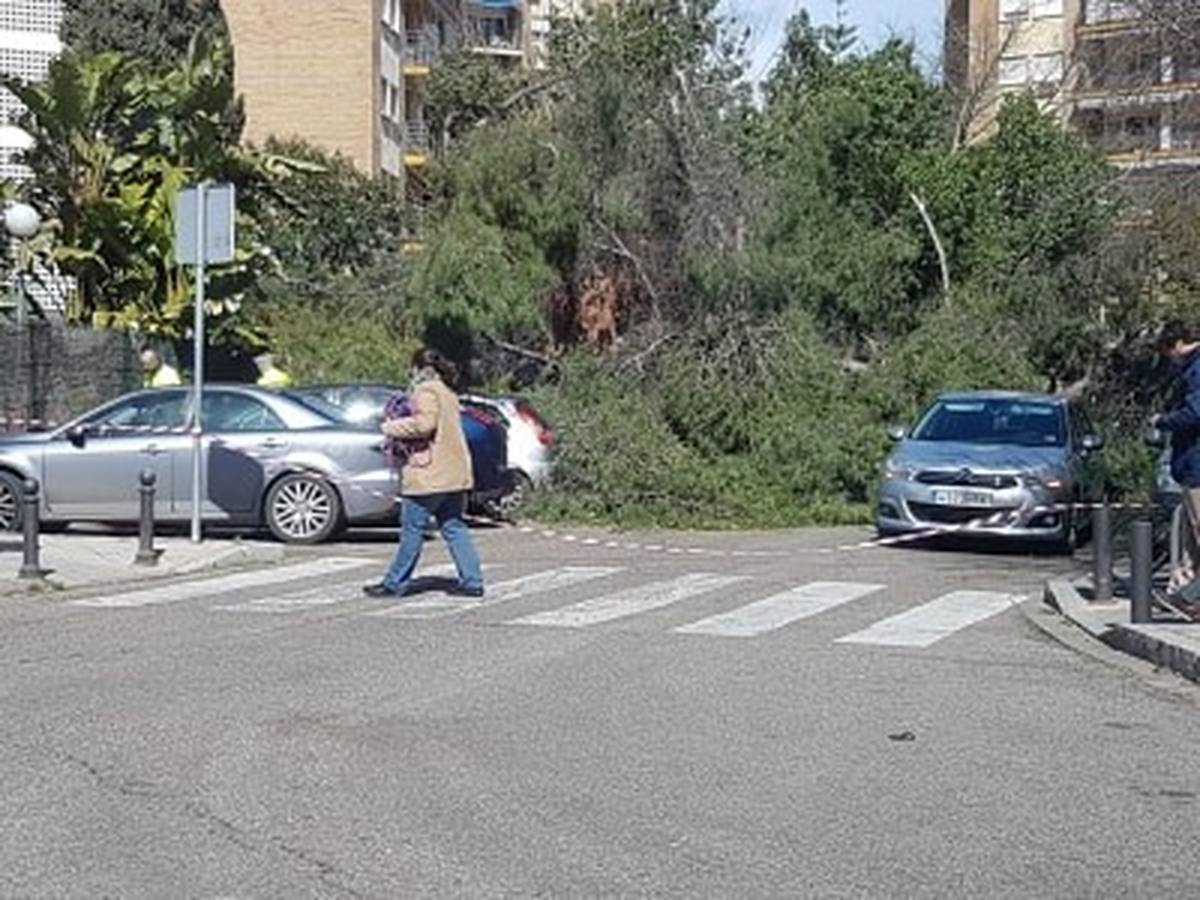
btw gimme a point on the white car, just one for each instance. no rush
(530, 442)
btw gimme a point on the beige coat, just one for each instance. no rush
(444, 467)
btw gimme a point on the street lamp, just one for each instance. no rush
(21, 221)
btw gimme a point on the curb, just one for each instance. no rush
(241, 554)
(1164, 646)
(1148, 642)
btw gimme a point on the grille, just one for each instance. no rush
(971, 479)
(954, 515)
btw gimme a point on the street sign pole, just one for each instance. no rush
(198, 368)
(204, 233)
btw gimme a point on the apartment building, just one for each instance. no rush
(28, 42)
(1106, 67)
(327, 71)
(351, 76)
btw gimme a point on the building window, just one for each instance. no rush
(1014, 9)
(1012, 70)
(1046, 9)
(1109, 10)
(1046, 67)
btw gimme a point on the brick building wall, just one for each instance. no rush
(310, 69)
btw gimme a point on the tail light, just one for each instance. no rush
(527, 414)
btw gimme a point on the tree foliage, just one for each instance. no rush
(726, 296)
(113, 142)
(158, 32)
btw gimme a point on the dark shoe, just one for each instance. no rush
(381, 590)
(461, 590)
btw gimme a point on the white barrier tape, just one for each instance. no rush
(1000, 519)
(27, 423)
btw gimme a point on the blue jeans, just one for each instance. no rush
(415, 513)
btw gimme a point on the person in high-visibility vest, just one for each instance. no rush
(270, 375)
(156, 373)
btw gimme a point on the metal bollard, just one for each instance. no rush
(1139, 607)
(31, 566)
(146, 554)
(1102, 565)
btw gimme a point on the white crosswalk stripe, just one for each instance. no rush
(781, 609)
(928, 624)
(328, 595)
(515, 589)
(630, 601)
(189, 590)
(919, 627)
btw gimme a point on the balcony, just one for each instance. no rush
(420, 53)
(1141, 137)
(495, 28)
(415, 141)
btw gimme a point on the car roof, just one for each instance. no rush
(1027, 396)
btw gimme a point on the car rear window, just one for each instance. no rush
(320, 406)
(1019, 423)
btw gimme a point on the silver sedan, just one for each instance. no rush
(999, 463)
(268, 458)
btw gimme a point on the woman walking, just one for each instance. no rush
(435, 480)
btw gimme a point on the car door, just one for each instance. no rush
(243, 440)
(94, 471)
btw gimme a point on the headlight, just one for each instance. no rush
(894, 471)
(1045, 481)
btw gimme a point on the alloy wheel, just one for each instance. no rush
(9, 506)
(302, 509)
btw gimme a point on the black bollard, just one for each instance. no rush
(1139, 607)
(31, 566)
(1102, 569)
(146, 554)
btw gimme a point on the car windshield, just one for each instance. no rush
(1013, 422)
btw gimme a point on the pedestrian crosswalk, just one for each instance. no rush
(781, 609)
(629, 602)
(585, 596)
(934, 620)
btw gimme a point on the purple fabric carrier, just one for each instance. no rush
(397, 450)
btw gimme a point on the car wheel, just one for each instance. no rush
(515, 497)
(303, 509)
(10, 502)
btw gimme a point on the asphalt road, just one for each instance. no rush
(739, 715)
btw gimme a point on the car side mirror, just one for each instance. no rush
(1091, 442)
(78, 436)
(897, 432)
(1153, 437)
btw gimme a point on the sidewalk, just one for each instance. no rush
(1173, 646)
(83, 560)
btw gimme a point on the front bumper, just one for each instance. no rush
(1019, 513)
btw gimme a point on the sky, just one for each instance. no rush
(919, 20)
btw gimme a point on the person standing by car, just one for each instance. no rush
(155, 372)
(1177, 342)
(270, 375)
(435, 479)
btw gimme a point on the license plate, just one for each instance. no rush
(962, 498)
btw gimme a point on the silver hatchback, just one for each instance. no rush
(269, 458)
(991, 462)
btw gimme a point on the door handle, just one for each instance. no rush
(272, 444)
(152, 450)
